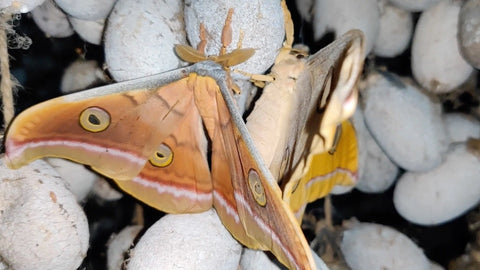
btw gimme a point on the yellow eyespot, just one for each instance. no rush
(94, 119)
(256, 187)
(162, 157)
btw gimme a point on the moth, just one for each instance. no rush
(148, 136)
(176, 142)
(300, 115)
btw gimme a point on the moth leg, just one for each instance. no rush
(259, 80)
(289, 30)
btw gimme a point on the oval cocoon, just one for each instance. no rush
(41, 224)
(187, 241)
(436, 61)
(469, 32)
(405, 122)
(119, 244)
(20, 6)
(414, 5)
(51, 20)
(396, 27)
(369, 246)
(140, 35)
(376, 171)
(90, 31)
(90, 10)
(343, 15)
(80, 75)
(441, 194)
(460, 127)
(261, 22)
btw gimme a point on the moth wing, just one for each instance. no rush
(136, 121)
(247, 198)
(323, 171)
(184, 185)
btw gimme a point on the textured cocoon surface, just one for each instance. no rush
(405, 122)
(261, 22)
(396, 27)
(139, 38)
(460, 127)
(87, 9)
(189, 241)
(344, 15)
(51, 20)
(90, 31)
(469, 32)
(22, 6)
(78, 179)
(256, 260)
(118, 246)
(80, 75)
(369, 246)
(414, 5)
(41, 224)
(441, 194)
(436, 61)
(376, 171)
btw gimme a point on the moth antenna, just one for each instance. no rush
(240, 39)
(227, 32)
(203, 39)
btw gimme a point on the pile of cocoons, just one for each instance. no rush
(415, 205)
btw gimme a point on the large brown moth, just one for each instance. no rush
(148, 135)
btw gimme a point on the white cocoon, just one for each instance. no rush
(460, 127)
(343, 15)
(78, 179)
(260, 21)
(105, 191)
(90, 31)
(41, 224)
(51, 20)
(80, 75)
(405, 122)
(305, 9)
(369, 246)
(139, 38)
(87, 9)
(469, 32)
(396, 27)
(187, 241)
(376, 171)
(414, 5)
(256, 260)
(119, 244)
(436, 61)
(441, 194)
(22, 6)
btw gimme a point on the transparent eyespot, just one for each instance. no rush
(162, 157)
(94, 119)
